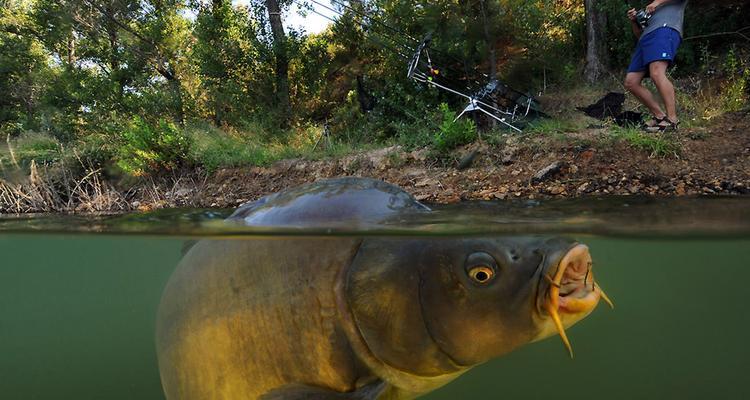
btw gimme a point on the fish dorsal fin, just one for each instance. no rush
(349, 201)
(305, 392)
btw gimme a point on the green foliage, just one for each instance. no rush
(41, 148)
(149, 148)
(453, 133)
(656, 144)
(23, 66)
(550, 126)
(737, 84)
(118, 81)
(99, 149)
(214, 149)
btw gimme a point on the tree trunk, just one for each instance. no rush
(71, 47)
(492, 57)
(280, 52)
(366, 100)
(175, 84)
(596, 48)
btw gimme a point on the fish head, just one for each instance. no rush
(436, 306)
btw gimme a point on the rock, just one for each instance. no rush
(547, 172)
(586, 156)
(467, 160)
(422, 196)
(184, 192)
(379, 158)
(507, 159)
(509, 154)
(413, 172)
(419, 155)
(426, 182)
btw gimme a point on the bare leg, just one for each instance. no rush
(658, 71)
(633, 85)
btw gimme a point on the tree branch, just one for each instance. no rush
(737, 32)
(160, 64)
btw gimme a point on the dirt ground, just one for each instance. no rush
(712, 160)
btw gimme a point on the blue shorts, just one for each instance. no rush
(658, 45)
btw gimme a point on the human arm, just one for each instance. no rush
(637, 30)
(651, 7)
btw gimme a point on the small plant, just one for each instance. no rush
(657, 145)
(735, 89)
(38, 147)
(396, 159)
(213, 149)
(549, 126)
(453, 133)
(148, 148)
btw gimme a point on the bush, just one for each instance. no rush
(98, 149)
(453, 133)
(149, 148)
(213, 149)
(41, 148)
(735, 89)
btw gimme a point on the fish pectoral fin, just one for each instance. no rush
(370, 391)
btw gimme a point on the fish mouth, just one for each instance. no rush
(571, 293)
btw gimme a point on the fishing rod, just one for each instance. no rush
(396, 51)
(431, 74)
(404, 44)
(402, 47)
(474, 98)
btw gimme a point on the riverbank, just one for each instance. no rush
(713, 159)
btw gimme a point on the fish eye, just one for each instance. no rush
(481, 267)
(481, 274)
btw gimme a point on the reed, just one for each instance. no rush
(42, 190)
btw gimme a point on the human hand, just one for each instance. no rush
(652, 7)
(631, 14)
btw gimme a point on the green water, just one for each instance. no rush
(78, 299)
(77, 322)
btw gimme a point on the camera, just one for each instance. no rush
(642, 17)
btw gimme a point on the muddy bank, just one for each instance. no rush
(712, 160)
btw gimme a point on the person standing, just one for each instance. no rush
(658, 40)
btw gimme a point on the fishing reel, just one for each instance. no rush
(642, 17)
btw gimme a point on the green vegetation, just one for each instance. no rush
(656, 144)
(453, 132)
(151, 147)
(139, 87)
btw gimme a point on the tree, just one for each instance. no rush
(596, 49)
(23, 66)
(280, 53)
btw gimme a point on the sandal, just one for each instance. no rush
(653, 122)
(665, 125)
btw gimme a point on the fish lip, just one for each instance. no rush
(580, 296)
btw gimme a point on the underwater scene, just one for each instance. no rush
(80, 297)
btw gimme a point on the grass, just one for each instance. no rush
(214, 148)
(551, 126)
(211, 148)
(656, 144)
